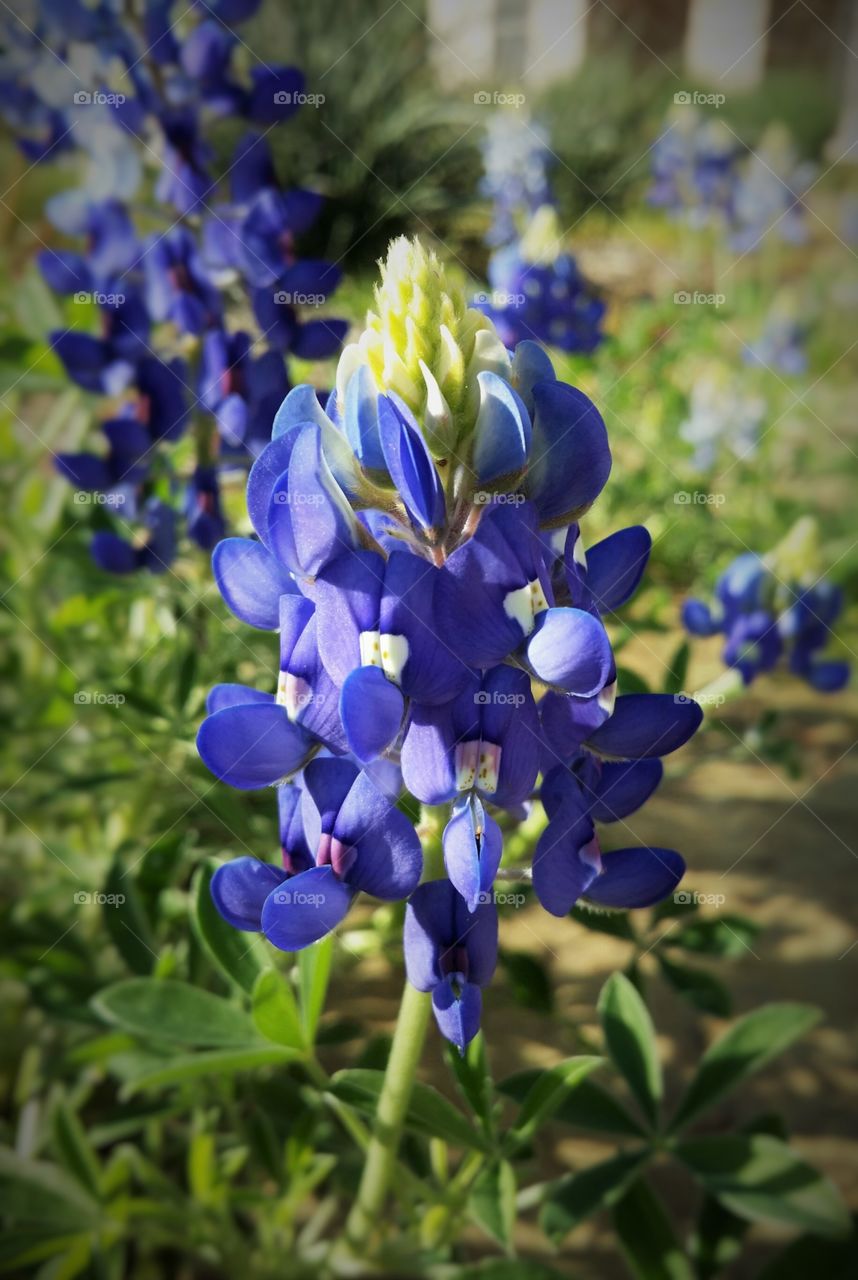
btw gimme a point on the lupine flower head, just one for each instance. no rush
(768, 193)
(418, 547)
(721, 414)
(775, 607)
(693, 165)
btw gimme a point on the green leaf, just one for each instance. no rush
(717, 1239)
(126, 921)
(629, 681)
(810, 1256)
(630, 1037)
(43, 1194)
(614, 923)
(166, 1010)
(529, 983)
(729, 935)
(572, 1198)
(471, 1070)
(217, 1062)
(676, 677)
(748, 1045)
(509, 1269)
(239, 957)
(314, 970)
(646, 1237)
(546, 1094)
(757, 1176)
(589, 1106)
(275, 1010)
(429, 1113)
(74, 1148)
(703, 989)
(492, 1202)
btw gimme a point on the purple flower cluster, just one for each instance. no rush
(765, 619)
(134, 105)
(441, 630)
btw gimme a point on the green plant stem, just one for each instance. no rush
(405, 1052)
(722, 689)
(393, 1102)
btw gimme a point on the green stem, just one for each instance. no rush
(393, 1102)
(405, 1051)
(722, 689)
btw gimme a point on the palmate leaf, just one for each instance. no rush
(169, 1011)
(572, 1198)
(42, 1194)
(630, 1038)
(155, 1074)
(239, 956)
(758, 1176)
(546, 1093)
(275, 1011)
(646, 1237)
(702, 989)
(748, 1045)
(429, 1113)
(588, 1106)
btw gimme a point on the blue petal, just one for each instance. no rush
(473, 844)
(646, 724)
(347, 593)
(252, 746)
(389, 857)
(636, 877)
(113, 554)
(371, 709)
(64, 272)
(322, 525)
(530, 364)
(502, 432)
(301, 408)
(267, 470)
(568, 722)
(319, 339)
(457, 1016)
(570, 649)
(251, 581)
(239, 890)
(829, 677)
(305, 908)
(427, 754)
(560, 874)
(616, 565)
(433, 672)
(84, 470)
(624, 787)
(698, 620)
(570, 457)
(360, 419)
(234, 695)
(410, 464)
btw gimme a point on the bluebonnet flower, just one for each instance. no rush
(722, 413)
(768, 194)
(417, 546)
(772, 607)
(781, 345)
(515, 173)
(80, 78)
(694, 168)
